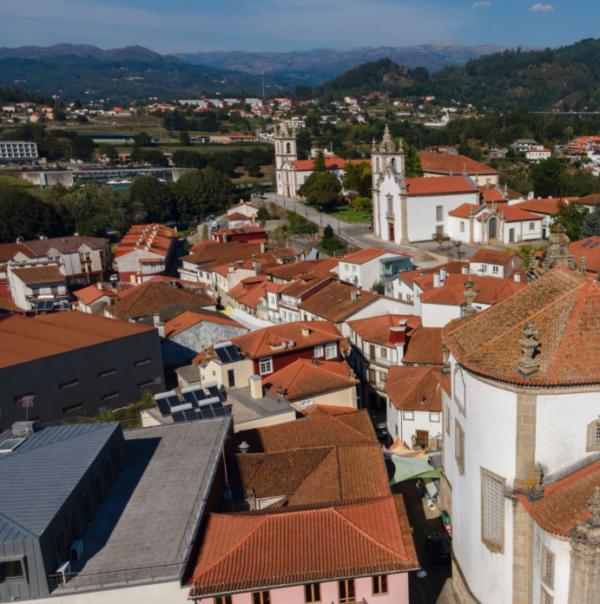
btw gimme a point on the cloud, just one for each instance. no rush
(541, 8)
(482, 4)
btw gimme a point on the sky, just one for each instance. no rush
(285, 25)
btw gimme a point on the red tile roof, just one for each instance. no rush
(304, 378)
(565, 502)
(563, 306)
(188, 319)
(440, 185)
(295, 270)
(35, 275)
(9, 250)
(424, 347)
(453, 268)
(243, 230)
(492, 195)
(253, 550)
(541, 206)
(335, 303)
(416, 388)
(443, 163)
(490, 290)
(488, 256)
(89, 295)
(590, 248)
(513, 214)
(331, 163)
(250, 291)
(305, 283)
(154, 238)
(267, 341)
(369, 253)
(464, 211)
(377, 329)
(327, 430)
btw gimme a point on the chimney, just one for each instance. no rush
(306, 331)
(224, 237)
(398, 335)
(530, 195)
(436, 280)
(256, 388)
(465, 270)
(156, 319)
(251, 499)
(244, 447)
(99, 284)
(518, 277)
(443, 274)
(231, 268)
(263, 247)
(257, 268)
(161, 329)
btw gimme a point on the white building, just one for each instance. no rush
(494, 263)
(407, 210)
(538, 153)
(17, 151)
(37, 285)
(414, 412)
(365, 268)
(521, 446)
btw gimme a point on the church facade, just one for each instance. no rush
(407, 210)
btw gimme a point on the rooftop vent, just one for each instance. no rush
(24, 429)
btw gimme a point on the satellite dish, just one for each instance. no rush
(422, 574)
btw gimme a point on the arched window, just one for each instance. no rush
(593, 436)
(393, 161)
(288, 148)
(459, 390)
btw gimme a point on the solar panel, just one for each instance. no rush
(228, 353)
(595, 244)
(178, 418)
(587, 243)
(163, 407)
(214, 392)
(189, 398)
(173, 400)
(191, 415)
(44, 305)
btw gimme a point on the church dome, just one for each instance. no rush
(545, 335)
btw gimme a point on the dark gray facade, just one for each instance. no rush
(53, 485)
(107, 375)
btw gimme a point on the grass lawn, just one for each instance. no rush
(349, 214)
(15, 181)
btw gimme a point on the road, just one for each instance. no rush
(424, 590)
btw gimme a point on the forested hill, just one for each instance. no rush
(375, 77)
(560, 79)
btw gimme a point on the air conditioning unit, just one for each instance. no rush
(77, 551)
(65, 570)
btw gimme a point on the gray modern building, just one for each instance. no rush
(106, 514)
(68, 364)
(17, 151)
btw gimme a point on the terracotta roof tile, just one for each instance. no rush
(590, 248)
(424, 347)
(443, 163)
(305, 283)
(304, 378)
(267, 341)
(464, 211)
(439, 185)
(335, 303)
(488, 256)
(369, 253)
(378, 329)
(415, 388)
(565, 502)
(540, 206)
(563, 306)
(188, 319)
(453, 268)
(89, 295)
(34, 275)
(294, 270)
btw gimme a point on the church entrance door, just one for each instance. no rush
(493, 228)
(391, 232)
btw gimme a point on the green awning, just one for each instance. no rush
(406, 468)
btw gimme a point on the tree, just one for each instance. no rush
(546, 176)
(322, 189)
(203, 192)
(591, 224)
(329, 242)
(412, 161)
(156, 197)
(184, 138)
(137, 155)
(58, 113)
(378, 287)
(263, 214)
(205, 232)
(82, 147)
(108, 151)
(319, 165)
(154, 157)
(142, 139)
(358, 178)
(22, 214)
(573, 217)
(440, 239)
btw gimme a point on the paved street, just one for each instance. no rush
(428, 589)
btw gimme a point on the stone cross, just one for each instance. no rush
(527, 366)
(470, 294)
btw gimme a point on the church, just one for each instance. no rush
(407, 210)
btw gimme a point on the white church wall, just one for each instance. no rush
(561, 548)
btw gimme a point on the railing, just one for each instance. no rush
(126, 576)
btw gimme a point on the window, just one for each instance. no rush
(223, 600)
(492, 510)
(11, 570)
(312, 593)
(143, 362)
(439, 213)
(390, 205)
(106, 373)
(372, 376)
(408, 415)
(265, 365)
(108, 396)
(261, 597)
(462, 226)
(68, 384)
(145, 384)
(346, 591)
(484, 268)
(593, 436)
(459, 446)
(547, 567)
(495, 268)
(439, 230)
(532, 226)
(434, 417)
(72, 408)
(380, 585)
(319, 351)
(382, 376)
(331, 351)
(383, 352)
(546, 597)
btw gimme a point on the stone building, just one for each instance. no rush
(521, 448)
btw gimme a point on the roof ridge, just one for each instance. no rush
(335, 418)
(364, 533)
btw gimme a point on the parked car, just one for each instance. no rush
(438, 546)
